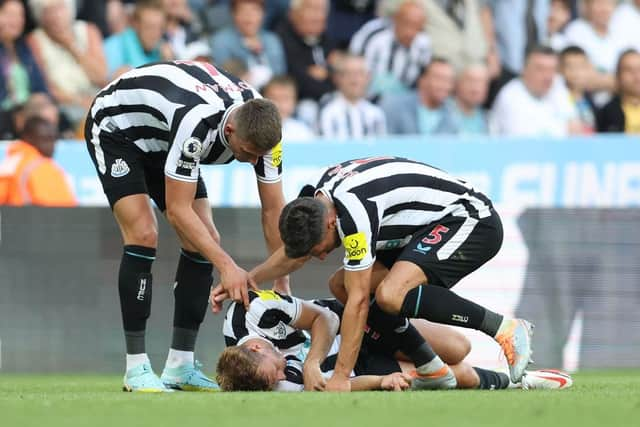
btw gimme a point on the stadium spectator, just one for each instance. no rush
(28, 174)
(308, 47)
(559, 17)
(576, 69)
(428, 110)
(260, 50)
(347, 16)
(108, 15)
(625, 23)
(347, 113)
(20, 74)
(40, 105)
(70, 54)
(595, 35)
(537, 103)
(396, 48)
(519, 25)
(180, 33)
(142, 42)
(472, 85)
(622, 113)
(213, 15)
(456, 31)
(282, 91)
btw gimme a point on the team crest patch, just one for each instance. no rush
(119, 168)
(192, 148)
(355, 246)
(276, 155)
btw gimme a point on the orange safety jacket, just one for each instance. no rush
(29, 178)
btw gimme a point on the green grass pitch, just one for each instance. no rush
(604, 399)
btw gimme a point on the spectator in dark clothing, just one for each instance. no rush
(622, 113)
(346, 17)
(20, 75)
(307, 47)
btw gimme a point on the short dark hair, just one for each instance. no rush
(281, 80)
(434, 60)
(237, 370)
(622, 57)
(302, 226)
(236, 3)
(258, 122)
(572, 50)
(539, 49)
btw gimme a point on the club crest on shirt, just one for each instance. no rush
(192, 148)
(355, 246)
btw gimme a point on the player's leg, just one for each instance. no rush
(418, 284)
(397, 332)
(121, 172)
(191, 291)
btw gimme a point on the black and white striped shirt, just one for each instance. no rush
(340, 118)
(376, 41)
(271, 316)
(382, 201)
(177, 107)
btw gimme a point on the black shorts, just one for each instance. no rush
(370, 362)
(450, 249)
(124, 169)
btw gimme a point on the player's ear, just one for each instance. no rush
(254, 347)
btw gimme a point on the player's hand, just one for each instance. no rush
(236, 282)
(217, 297)
(338, 383)
(396, 381)
(313, 378)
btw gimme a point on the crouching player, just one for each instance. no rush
(269, 348)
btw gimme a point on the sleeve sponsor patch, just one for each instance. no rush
(192, 148)
(355, 246)
(268, 295)
(276, 155)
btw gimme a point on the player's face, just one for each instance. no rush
(272, 365)
(328, 243)
(244, 151)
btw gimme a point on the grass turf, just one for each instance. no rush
(603, 398)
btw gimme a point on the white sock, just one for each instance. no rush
(135, 360)
(434, 366)
(178, 358)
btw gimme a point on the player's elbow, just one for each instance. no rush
(174, 216)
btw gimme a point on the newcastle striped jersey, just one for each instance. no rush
(382, 201)
(271, 316)
(180, 108)
(340, 118)
(376, 41)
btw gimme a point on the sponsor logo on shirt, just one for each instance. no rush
(355, 246)
(276, 154)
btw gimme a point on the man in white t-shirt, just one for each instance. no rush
(625, 23)
(537, 103)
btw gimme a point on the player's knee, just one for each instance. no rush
(388, 298)
(460, 347)
(465, 376)
(143, 235)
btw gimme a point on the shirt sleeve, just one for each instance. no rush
(188, 142)
(269, 167)
(355, 231)
(268, 309)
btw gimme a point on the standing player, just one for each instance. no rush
(426, 227)
(147, 133)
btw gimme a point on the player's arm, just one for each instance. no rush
(323, 325)
(272, 202)
(354, 319)
(182, 216)
(396, 381)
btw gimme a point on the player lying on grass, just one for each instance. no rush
(429, 229)
(269, 349)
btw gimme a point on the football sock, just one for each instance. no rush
(134, 360)
(134, 287)
(398, 333)
(191, 291)
(441, 305)
(492, 380)
(178, 358)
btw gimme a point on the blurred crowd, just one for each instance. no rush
(343, 68)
